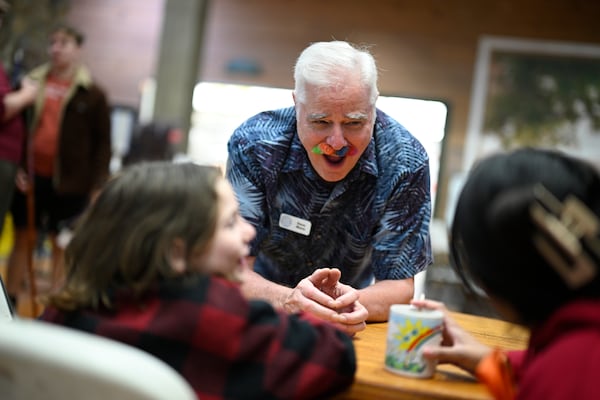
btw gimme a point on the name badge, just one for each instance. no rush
(294, 224)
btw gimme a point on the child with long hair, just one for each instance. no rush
(154, 263)
(527, 231)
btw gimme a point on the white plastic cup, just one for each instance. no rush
(409, 330)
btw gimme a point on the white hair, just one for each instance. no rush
(324, 64)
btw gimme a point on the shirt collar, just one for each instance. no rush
(82, 76)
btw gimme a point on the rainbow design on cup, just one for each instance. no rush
(406, 338)
(423, 337)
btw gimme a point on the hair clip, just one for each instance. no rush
(568, 236)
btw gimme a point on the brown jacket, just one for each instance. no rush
(84, 147)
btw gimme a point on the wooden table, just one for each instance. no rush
(373, 381)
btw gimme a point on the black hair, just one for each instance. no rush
(70, 31)
(492, 235)
(150, 142)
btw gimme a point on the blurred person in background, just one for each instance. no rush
(153, 141)
(12, 129)
(68, 150)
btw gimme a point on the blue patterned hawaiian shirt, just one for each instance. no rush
(372, 224)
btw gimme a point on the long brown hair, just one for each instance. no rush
(123, 240)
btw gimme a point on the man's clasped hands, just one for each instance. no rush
(322, 294)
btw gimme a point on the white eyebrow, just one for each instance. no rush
(354, 115)
(357, 115)
(317, 116)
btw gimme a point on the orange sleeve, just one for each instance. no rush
(496, 373)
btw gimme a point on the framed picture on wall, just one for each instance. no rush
(534, 93)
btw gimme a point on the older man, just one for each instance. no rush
(333, 182)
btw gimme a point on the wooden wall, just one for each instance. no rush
(424, 48)
(122, 43)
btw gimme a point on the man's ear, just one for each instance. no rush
(177, 256)
(294, 97)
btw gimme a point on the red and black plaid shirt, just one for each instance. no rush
(225, 346)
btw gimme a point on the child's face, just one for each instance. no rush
(227, 251)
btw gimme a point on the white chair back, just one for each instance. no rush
(6, 310)
(39, 360)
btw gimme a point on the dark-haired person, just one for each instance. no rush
(527, 231)
(68, 148)
(153, 141)
(156, 261)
